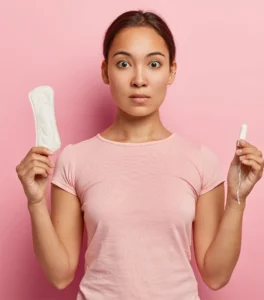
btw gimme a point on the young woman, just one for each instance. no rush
(142, 191)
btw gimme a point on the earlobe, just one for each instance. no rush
(171, 78)
(104, 72)
(172, 73)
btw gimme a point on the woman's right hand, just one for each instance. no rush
(33, 172)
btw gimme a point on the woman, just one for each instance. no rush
(142, 191)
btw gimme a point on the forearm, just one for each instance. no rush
(222, 255)
(51, 254)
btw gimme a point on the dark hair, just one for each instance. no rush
(138, 18)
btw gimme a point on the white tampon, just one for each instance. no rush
(243, 134)
(42, 102)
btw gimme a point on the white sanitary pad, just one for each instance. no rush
(42, 102)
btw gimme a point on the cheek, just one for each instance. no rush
(118, 81)
(158, 85)
(159, 79)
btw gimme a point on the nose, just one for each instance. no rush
(139, 79)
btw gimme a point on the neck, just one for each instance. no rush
(128, 128)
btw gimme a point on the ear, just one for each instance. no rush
(104, 72)
(173, 69)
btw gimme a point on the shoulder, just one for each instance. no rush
(188, 147)
(79, 148)
(203, 157)
(196, 146)
(75, 153)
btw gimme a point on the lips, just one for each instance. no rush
(138, 96)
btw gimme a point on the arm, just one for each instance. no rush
(217, 237)
(57, 237)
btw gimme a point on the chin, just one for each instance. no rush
(139, 111)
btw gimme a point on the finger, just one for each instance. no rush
(38, 157)
(256, 168)
(35, 164)
(41, 150)
(31, 172)
(40, 164)
(38, 153)
(244, 143)
(256, 158)
(249, 150)
(36, 171)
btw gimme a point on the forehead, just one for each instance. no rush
(138, 40)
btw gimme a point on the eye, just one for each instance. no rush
(155, 64)
(122, 64)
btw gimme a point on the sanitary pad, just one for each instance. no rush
(42, 102)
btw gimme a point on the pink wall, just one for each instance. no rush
(218, 87)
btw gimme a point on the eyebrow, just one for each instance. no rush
(129, 54)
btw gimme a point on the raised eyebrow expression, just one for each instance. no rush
(129, 54)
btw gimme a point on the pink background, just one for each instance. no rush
(219, 86)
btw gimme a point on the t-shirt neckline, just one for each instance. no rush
(134, 144)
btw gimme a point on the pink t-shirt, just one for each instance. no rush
(139, 203)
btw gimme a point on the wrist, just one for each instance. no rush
(233, 203)
(39, 205)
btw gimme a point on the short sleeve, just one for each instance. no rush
(212, 172)
(64, 170)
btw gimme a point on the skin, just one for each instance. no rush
(57, 237)
(138, 73)
(217, 239)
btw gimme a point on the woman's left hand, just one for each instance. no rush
(252, 164)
